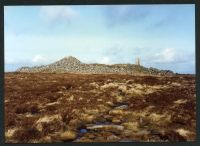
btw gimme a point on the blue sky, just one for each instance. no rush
(163, 36)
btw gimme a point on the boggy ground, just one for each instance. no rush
(45, 108)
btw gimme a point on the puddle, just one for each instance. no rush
(103, 125)
(83, 131)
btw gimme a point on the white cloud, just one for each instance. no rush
(168, 55)
(39, 59)
(55, 13)
(105, 60)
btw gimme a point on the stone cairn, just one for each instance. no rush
(72, 65)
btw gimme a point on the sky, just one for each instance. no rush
(162, 36)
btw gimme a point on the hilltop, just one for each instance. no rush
(71, 64)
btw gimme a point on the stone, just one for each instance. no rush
(68, 135)
(129, 82)
(72, 65)
(127, 133)
(99, 100)
(47, 139)
(113, 138)
(183, 132)
(112, 128)
(122, 107)
(71, 98)
(116, 121)
(86, 118)
(103, 108)
(116, 112)
(91, 111)
(133, 126)
(119, 99)
(10, 132)
(110, 103)
(47, 119)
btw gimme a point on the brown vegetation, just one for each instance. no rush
(51, 107)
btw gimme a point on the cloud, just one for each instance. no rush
(148, 56)
(171, 56)
(123, 54)
(118, 15)
(168, 55)
(53, 14)
(39, 59)
(105, 60)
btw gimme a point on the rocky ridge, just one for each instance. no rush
(72, 65)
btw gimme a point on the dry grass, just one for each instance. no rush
(45, 107)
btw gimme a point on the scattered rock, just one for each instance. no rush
(91, 111)
(183, 132)
(68, 135)
(116, 121)
(133, 126)
(71, 98)
(47, 139)
(94, 85)
(109, 85)
(122, 107)
(176, 84)
(10, 132)
(50, 118)
(129, 82)
(73, 65)
(99, 100)
(119, 99)
(53, 119)
(102, 108)
(180, 101)
(113, 128)
(112, 138)
(86, 118)
(116, 112)
(109, 103)
(52, 103)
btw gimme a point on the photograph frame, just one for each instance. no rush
(103, 2)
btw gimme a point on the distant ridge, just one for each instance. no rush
(71, 64)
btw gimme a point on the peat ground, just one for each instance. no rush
(50, 107)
